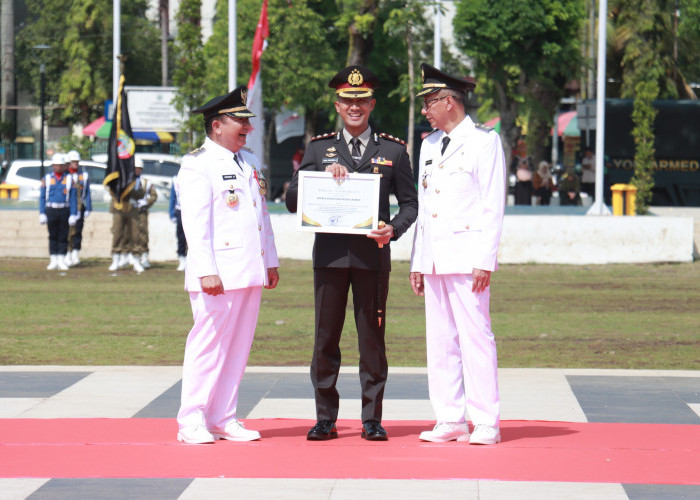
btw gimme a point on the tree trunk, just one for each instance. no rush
(164, 8)
(7, 26)
(361, 42)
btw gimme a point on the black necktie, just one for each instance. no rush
(356, 154)
(235, 158)
(445, 142)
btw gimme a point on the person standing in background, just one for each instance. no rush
(143, 197)
(81, 181)
(176, 218)
(58, 209)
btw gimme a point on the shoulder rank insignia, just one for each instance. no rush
(392, 138)
(323, 136)
(482, 127)
(197, 151)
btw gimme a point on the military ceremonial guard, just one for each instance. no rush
(231, 257)
(58, 209)
(143, 197)
(461, 198)
(342, 261)
(176, 218)
(81, 181)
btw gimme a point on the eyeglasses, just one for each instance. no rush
(429, 103)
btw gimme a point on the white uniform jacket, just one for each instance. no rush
(461, 201)
(225, 219)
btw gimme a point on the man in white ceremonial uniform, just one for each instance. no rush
(461, 201)
(231, 257)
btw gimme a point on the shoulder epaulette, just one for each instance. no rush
(323, 136)
(392, 138)
(482, 127)
(197, 151)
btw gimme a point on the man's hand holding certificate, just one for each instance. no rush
(336, 201)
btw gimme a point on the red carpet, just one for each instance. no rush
(531, 451)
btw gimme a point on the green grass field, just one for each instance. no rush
(614, 316)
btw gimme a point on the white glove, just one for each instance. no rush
(42, 218)
(141, 203)
(173, 220)
(87, 214)
(72, 220)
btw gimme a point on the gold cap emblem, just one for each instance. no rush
(355, 77)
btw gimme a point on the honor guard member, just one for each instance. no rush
(231, 257)
(81, 181)
(58, 209)
(143, 197)
(123, 232)
(461, 200)
(362, 262)
(176, 218)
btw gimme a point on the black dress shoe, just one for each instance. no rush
(322, 431)
(372, 430)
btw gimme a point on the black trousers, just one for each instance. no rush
(331, 287)
(180, 233)
(57, 223)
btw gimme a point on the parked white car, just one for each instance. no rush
(26, 175)
(157, 168)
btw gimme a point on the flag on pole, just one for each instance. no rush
(120, 177)
(259, 45)
(255, 137)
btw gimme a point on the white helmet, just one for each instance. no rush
(58, 159)
(73, 156)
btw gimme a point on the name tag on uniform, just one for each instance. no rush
(329, 160)
(229, 177)
(429, 162)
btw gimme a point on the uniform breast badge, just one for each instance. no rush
(232, 199)
(262, 182)
(425, 180)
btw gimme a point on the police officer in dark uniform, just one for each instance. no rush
(362, 262)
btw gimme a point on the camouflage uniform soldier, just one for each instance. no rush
(143, 197)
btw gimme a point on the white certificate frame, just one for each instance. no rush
(325, 205)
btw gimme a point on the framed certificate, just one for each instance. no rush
(327, 206)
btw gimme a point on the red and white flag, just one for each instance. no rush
(259, 46)
(254, 102)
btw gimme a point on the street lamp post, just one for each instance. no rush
(42, 88)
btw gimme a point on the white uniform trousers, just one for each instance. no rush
(216, 355)
(461, 349)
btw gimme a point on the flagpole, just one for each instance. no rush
(116, 49)
(231, 45)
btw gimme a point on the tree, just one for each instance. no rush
(358, 18)
(79, 62)
(296, 66)
(643, 116)
(190, 69)
(405, 21)
(527, 49)
(84, 85)
(642, 41)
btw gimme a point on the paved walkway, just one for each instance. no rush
(625, 396)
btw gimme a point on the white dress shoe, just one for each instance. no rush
(485, 434)
(61, 259)
(182, 263)
(234, 431)
(446, 431)
(53, 264)
(196, 434)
